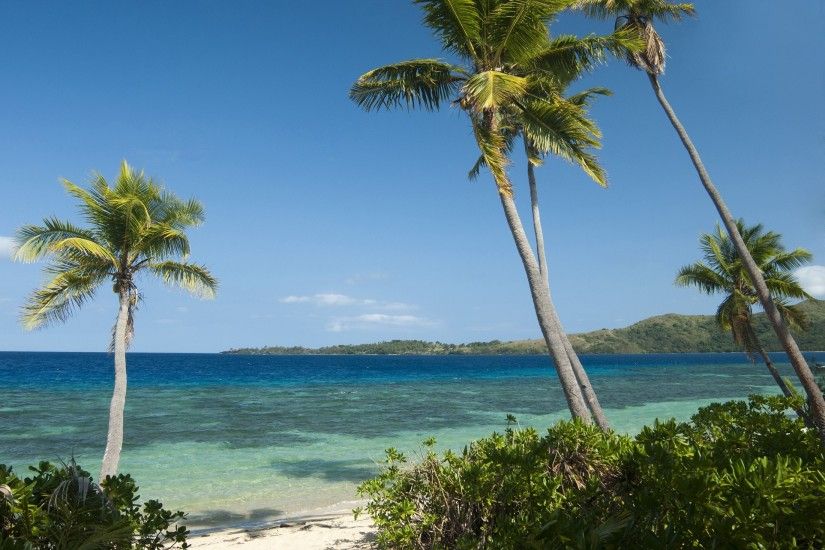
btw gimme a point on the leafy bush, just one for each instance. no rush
(497, 491)
(59, 507)
(739, 474)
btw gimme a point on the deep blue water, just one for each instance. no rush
(67, 370)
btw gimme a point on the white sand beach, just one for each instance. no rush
(339, 532)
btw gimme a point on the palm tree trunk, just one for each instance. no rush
(578, 369)
(114, 438)
(545, 310)
(803, 371)
(786, 391)
(775, 373)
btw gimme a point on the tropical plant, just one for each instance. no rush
(737, 475)
(638, 16)
(722, 272)
(512, 70)
(60, 507)
(135, 227)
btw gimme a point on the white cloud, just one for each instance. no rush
(6, 248)
(377, 320)
(339, 300)
(812, 279)
(329, 299)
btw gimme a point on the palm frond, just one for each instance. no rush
(59, 298)
(790, 260)
(424, 83)
(714, 249)
(583, 98)
(193, 278)
(518, 28)
(660, 10)
(566, 56)
(84, 247)
(793, 315)
(456, 22)
(493, 90)
(562, 129)
(703, 277)
(492, 146)
(35, 241)
(785, 285)
(476, 169)
(161, 241)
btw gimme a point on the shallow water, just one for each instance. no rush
(244, 439)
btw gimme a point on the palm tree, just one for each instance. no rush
(534, 158)
(638, 16)
(511, 68)
(134, 227)
(722, 272)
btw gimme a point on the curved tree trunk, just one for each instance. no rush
(786, 391)
(545, 311)
(775, 373)
(803, 371)
(114, 438)
(578, 369)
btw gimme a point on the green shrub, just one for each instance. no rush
(738, 475)
(59, 507)
(496, 491)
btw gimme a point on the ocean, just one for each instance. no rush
(242, 440)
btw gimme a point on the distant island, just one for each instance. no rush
(670, 333)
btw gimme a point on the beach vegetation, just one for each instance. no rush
(134, 228)
(511, 69)
(640, 17)
(721, 271)
(60, 507)
(737, 475)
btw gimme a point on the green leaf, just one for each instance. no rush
(422, 83)
(493, 89)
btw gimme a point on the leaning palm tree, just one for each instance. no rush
(534, 159)
(565, 75)
(722, 272)
(511, 68)
(638, 16)
(134, 227)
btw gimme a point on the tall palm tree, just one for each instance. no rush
(638, 16)
(134, 227)
(569, 72)
(533, 159)
(722, 272)
(511, 68)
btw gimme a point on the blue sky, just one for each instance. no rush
(326, 224)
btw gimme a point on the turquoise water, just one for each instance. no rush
(243, 439)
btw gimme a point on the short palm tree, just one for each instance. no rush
(638, 16)
(722, 272)
(134, 227)
(511, 68)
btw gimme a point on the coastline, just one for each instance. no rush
(314, 531)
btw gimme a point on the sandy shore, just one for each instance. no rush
(338, 532)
